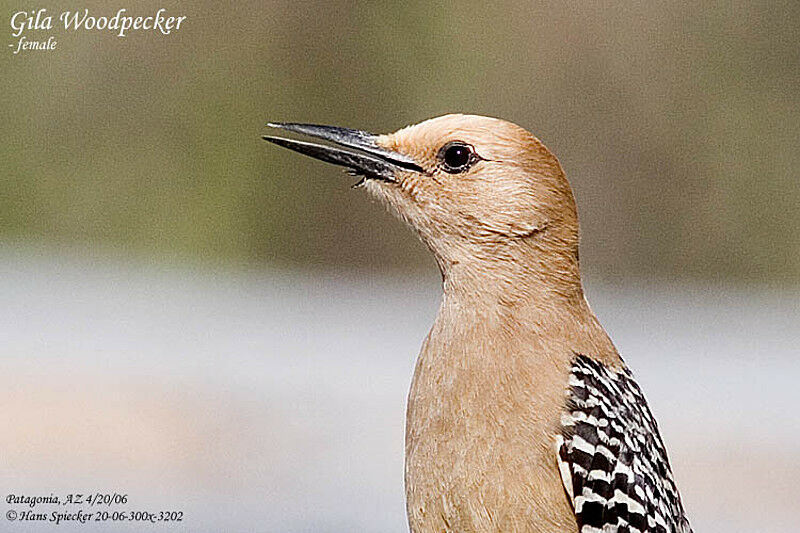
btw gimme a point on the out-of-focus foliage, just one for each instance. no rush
(678, 124)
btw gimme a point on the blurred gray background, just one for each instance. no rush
(222, 327)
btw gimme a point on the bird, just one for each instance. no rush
(521, 416)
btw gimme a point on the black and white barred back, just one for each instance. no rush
(612, 460)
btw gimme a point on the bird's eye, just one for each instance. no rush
(457, 157)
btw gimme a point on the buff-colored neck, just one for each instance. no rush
(520, 290)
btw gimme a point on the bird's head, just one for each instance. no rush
(478, 190)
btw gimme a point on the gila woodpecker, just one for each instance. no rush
(522, 417)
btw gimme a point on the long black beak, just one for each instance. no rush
(365, 157)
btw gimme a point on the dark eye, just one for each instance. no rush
(457, 157)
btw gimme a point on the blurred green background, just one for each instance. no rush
(677, 123)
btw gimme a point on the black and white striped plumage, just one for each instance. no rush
(612, 460)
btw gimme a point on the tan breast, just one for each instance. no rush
(483, 411)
